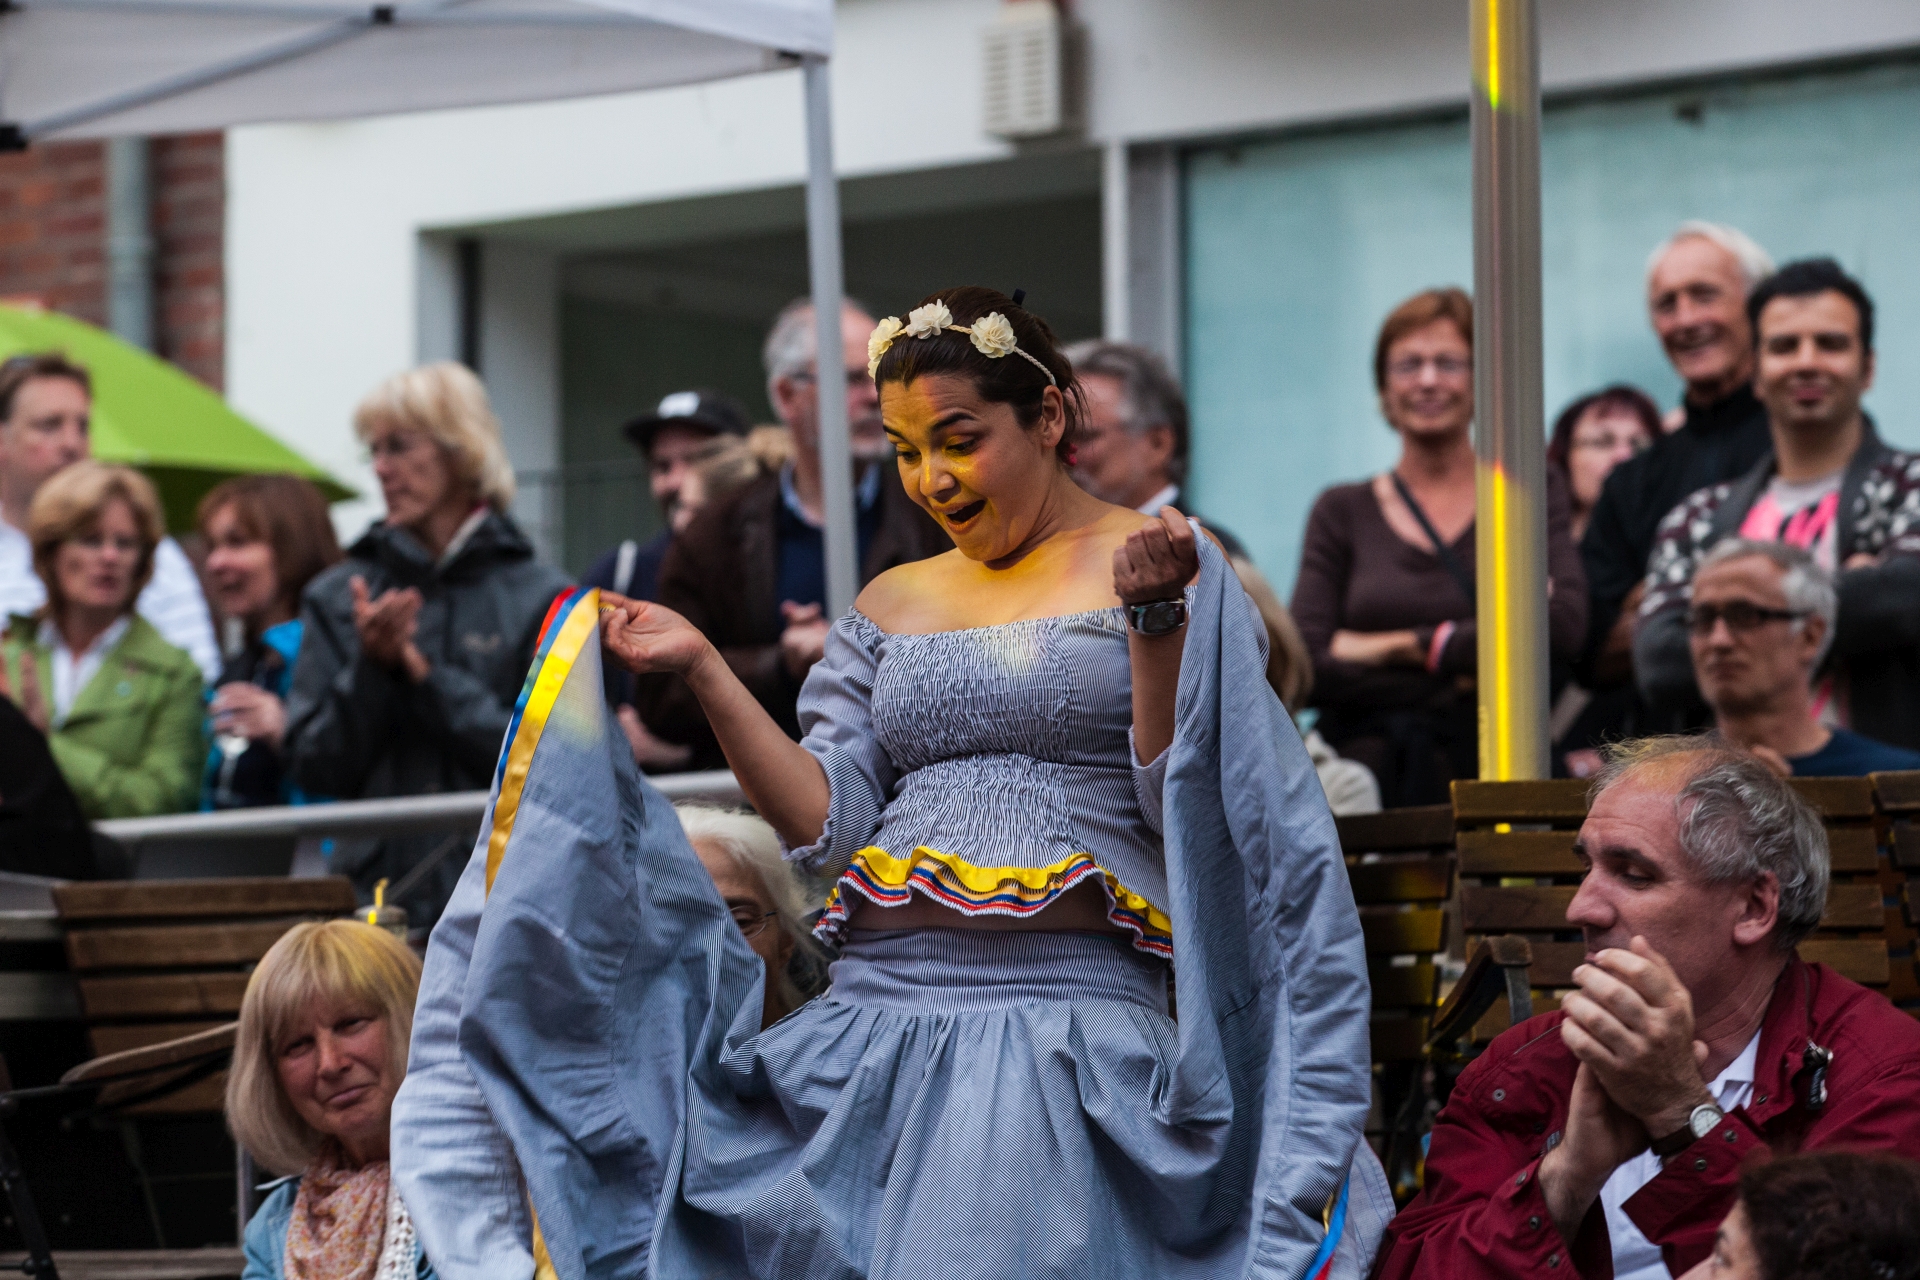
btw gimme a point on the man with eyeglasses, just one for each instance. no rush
(750, 570)
(1759, 624)
(1831, 487)
(46, 407)
(1697, 286)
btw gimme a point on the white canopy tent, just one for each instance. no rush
(106, 68)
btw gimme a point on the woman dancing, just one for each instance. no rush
(1044, 772)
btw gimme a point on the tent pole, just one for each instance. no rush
(823, 262)
(1508, 434)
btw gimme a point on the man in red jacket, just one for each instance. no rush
(1605, 1140)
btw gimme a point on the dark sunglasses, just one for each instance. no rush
(1740, 616)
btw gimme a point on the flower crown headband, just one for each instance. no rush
(992, 335)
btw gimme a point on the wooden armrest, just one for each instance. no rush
(1498, 967)
(184, 1051)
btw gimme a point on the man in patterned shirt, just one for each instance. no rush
(1831, 487)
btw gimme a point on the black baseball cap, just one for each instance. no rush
(714, 411)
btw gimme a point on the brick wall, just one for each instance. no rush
(53, 240)
(189, 217)
(53, 228)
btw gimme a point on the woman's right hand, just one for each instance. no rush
(250, 712)
(1376, 648)
(646, 638)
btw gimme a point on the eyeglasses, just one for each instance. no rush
(752, 923)
(1408, 367)
(1740, 616)
(1635, 441)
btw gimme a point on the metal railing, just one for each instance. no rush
(346, 818)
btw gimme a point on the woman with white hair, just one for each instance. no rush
(320, 1052)
(766, 897)
(414, 647)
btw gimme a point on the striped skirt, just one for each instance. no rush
(968, 1103)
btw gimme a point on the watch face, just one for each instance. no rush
(1159, 617)
(1703, 1119)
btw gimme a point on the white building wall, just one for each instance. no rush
(325, 266)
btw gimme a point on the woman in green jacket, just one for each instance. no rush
(121, 707)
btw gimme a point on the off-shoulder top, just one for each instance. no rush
(989, 770)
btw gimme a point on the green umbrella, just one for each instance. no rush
(150, 415)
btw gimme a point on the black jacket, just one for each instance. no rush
(358, 730)
(721, 575)
(1719, 441)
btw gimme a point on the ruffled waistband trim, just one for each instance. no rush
(972, 890)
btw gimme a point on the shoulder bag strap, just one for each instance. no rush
(1448, 560)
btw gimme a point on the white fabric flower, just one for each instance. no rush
(883, 335)
(993, 336)
(924, 322)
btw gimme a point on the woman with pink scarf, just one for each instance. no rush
(321, 1050)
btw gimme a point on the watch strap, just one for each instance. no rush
(1690, 1132)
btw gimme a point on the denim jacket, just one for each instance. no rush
(266, 1244)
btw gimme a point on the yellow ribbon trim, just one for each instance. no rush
(894, 872)
(582, 624)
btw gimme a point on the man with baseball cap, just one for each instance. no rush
(675, 438)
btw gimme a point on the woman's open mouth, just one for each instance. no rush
(960, 517)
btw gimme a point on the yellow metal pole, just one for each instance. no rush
(1509, 426)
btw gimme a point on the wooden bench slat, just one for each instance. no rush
(1509, 853)
(1554, 963)
(163, 995)
(1906, 845)
(1522, 908)
(1897, 792)
(1397, 830)
(1402, 880)
(1390, 932)
(216, 1263)
(1853, 850)
(1862, 960)
(1514, 909)
(1477, 803)
(1837, 797)
(1403, 986)
(202, 899)
(1495, 1020)
(175, 947)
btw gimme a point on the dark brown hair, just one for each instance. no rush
(286, 513)
(1007, 380)
(1834, 1215)
(1417, 312)
(17, 371)
(1618, 398)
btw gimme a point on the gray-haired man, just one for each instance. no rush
(1608, 1137)
(1760, 621)
(1132, 448)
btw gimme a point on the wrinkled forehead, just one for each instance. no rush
(1744, 577)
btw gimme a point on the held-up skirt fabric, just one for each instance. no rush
(961, 1103)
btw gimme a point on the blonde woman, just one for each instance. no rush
(413, 648)
(121, 707)
(321, 1050)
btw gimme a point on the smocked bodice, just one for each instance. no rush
(989, 769)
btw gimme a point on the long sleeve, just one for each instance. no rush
(836, 717)
(462, 712)
(340, 708)
(1326, 563)
(1611, 557)
(1662, 656)
(164, 776)
(455, 1168)
(1879, 606)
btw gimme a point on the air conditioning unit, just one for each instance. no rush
(1027, 75)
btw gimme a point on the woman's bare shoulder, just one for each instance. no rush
(894, 600)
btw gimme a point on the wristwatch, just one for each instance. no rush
(1700, 1123)
(1157, 617)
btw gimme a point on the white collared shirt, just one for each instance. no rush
(1164, 498)
(1634, 1256)
(172, 600)
(73, 672)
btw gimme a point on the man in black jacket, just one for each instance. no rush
(1697, 285)
(750, 572)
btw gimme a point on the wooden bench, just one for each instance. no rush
(161, 959)
(1518, 875)
(1400, 864)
